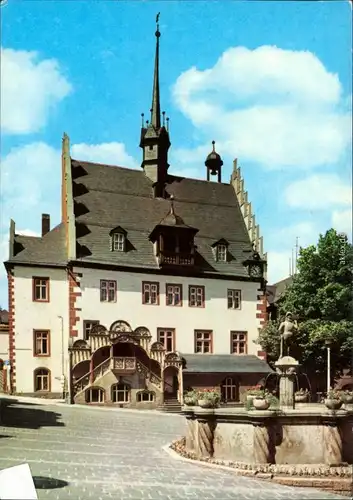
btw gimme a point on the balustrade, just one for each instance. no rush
(123, 364)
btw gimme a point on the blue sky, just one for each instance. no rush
(269, 81)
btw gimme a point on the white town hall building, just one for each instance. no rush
(151, 284)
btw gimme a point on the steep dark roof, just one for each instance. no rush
(281, 286)
(107, 196)
(49, 249)
(224, 363)
(4, 316)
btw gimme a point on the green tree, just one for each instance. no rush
(321, 299)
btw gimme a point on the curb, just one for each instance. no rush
(284, 481)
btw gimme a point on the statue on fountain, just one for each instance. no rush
(287, 329)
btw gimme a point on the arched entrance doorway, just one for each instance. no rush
(171, 382)
(230, 390)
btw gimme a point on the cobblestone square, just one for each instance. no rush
(80, 453)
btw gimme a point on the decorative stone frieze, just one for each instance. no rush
(205, 435)
(333, 443)
(261, 443)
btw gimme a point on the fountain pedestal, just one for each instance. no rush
(286, 367)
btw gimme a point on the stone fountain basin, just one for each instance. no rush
(310, 434)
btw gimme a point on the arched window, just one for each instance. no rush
(42, 379)
(95, 395)
(120, 393)
(145, 397)
(229, 390)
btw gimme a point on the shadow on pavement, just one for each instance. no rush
(13, 413)
(48, 483)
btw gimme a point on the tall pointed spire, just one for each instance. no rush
(156, 104)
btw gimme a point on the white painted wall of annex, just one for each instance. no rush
(214, 316)
(4, 345)
(31, 316)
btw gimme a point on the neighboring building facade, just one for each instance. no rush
(4, 348)
(152, 283)
(273, 294)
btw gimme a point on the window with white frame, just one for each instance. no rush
(196, 296)
(95, 395)
(239, 342)
(222, 253)
(203, 341)
(120, 393)
(150, 293)
(166, 336)
(108, 291)
(173, 295)
(145, 397)
(118, 242)
(234, 299)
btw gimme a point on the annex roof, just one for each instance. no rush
(225, 363)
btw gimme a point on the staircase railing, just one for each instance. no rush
(155, 379)
(98, 371)
(109, 363)
(123, 363)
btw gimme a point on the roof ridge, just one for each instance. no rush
(109, 165)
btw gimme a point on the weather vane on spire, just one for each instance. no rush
(157, 22)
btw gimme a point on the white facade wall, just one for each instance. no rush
(31, 316)
(214, 316)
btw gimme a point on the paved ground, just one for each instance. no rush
(82, 453)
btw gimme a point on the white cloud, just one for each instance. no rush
(37, 187)
(319, 192)
(29, 90)
(342, 221)
(27, 232)
(277, 107)
(110, 153)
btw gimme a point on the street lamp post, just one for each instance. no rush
(328, 347)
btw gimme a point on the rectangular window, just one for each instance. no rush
(203, 341)
(108, 291)
(150, 293)
(238, 342)
(41, 343)
(166, 336)
(234, 299)
(222, 253)
(174, 295)
(196, 296)
(118, 242)
(87, 325)
(40, 289)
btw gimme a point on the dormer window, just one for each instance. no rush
(222, 253)
(118, 239)
(220, 250)
(173, 240)
(118, 242)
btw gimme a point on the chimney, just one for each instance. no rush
(45, 224)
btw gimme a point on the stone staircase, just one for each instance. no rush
(114, 364)
(171, 405)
